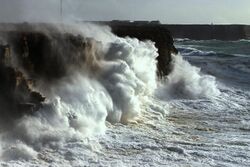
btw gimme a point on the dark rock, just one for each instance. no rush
(42, 55)
(49, 56)
(15, 93)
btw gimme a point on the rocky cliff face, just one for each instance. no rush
(16, 94)
(28, 54)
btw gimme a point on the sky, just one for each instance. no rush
(167, 11)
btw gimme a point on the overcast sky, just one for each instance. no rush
(167, 11)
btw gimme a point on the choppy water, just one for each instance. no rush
(198, 116)
(221, 123)
(228, 61)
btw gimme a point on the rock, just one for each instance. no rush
(16, 95)
(42, 55)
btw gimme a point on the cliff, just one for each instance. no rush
(16, 94)
(29, 54)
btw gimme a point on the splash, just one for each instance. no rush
(107, 80)
(187, 81)
(96, 77)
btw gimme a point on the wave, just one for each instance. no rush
(210, 40)
(189, 51)
(240, 47)
(110, 84)
(114, 82)
(187, 81)
(181, 39)
(229, 67)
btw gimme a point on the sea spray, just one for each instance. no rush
(130, 76)
(109, 84)
(187, 81)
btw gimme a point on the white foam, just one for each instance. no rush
(126, 80)
(113, 85)
(19, 151)
(186, 81)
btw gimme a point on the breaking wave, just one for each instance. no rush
(110, 84)
(228, 61)
(187, 81)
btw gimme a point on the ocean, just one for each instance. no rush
(199, 115)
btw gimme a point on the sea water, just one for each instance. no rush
(197, 116)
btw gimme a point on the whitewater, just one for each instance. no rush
(114, 111)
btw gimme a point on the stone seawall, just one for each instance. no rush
(208, 32)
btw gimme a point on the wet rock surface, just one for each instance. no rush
(16, 95)
(32, 55)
